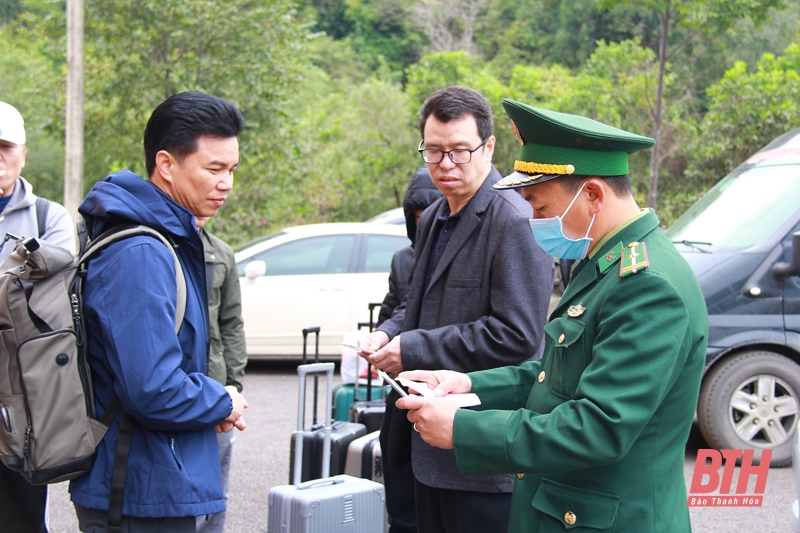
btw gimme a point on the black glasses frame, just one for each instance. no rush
(449, 153)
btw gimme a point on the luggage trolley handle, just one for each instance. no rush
(371, 326)
(303, 371)
(306, 332)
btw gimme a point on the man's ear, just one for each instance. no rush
(165, 165)
(489, 147)
(596, 190)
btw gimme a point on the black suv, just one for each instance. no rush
(742, 240)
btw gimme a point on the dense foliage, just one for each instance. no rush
(331, 89)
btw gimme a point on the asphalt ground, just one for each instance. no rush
(261, 461)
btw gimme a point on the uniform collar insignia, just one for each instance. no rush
(576, 310)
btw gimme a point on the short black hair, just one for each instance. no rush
(181, 119)
(457, 102)
(621, 185)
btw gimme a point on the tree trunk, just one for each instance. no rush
(655, 154)
(73, 156)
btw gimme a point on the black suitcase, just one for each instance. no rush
(342, 433)
(368, 412)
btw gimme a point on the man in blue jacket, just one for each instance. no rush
(173, 471)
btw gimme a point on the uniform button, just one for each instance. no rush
(541, 376)
(570, 518)
(561, 339)
(521, 476)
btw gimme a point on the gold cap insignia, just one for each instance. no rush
(576, 310)
(517, 133)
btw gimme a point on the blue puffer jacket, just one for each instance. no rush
(130, 291)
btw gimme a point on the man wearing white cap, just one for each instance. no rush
(21, 212)
(22, 505)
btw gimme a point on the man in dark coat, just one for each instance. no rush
(466, 309)
(399, 480)
(595, 430)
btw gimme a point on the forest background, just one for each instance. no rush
(331, 89)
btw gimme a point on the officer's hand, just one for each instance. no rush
(388, 358)
(433, 419)
(373, 342)
(441, 382)
(239, 405)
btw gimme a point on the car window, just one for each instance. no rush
(329, 254)
(742, 209)
(380, 249)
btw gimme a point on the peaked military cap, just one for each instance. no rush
(558, 144)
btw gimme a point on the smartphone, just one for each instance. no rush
(395, 385)
(358, 349)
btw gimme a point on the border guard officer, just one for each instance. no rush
(596, 429)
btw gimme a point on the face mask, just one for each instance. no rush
(549, 235)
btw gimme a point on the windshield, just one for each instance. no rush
(741, 209)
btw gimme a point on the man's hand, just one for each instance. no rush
(441, 382)
(235, 418)
(433, 419)
(373, 342)
(388, 358)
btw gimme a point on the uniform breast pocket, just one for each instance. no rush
(568, 357)
(566, 508)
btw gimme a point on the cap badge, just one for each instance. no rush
(576, 310)
(517, 133)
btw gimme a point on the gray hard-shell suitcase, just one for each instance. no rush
(333, 504)
(341, 434)
(364, 458)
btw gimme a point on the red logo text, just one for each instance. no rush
(707, 479)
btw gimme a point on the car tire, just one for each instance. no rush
(740, 404)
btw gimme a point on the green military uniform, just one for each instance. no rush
(596, 429)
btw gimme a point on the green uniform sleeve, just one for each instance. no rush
(505, 387)
(641, 344)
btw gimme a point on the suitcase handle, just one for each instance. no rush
(318, 483)
(303, 371)
(306, 333)
(371, 326)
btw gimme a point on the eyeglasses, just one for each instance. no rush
(459, 157)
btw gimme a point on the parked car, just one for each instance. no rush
(392, 216)
(316, 275)
(742, 239)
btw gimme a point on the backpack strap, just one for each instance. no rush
(119, 474)
(42, 207)
(123, 232)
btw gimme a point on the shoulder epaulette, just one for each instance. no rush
(633, 259)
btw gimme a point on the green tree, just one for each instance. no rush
(696, 16)
(363, 150)
(746, 110)
(140, 52)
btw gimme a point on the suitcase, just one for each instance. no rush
(333, 504)
(370, 411)
(344, 396)
(364, 458)
(341, 433)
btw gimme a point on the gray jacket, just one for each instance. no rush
(227, 354)
(19, 218)
(486, 307)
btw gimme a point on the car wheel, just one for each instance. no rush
(752, 400)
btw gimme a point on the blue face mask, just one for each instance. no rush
(549, 235)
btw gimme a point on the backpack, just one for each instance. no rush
(49, 429)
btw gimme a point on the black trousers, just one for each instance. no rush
(458, 511)
(22, 505)
(398, 481)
